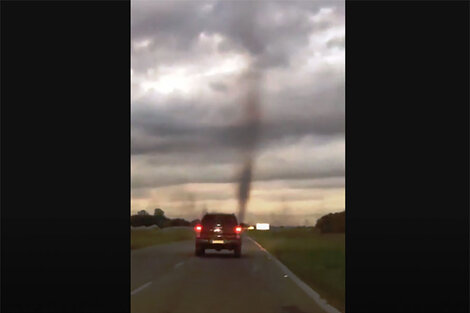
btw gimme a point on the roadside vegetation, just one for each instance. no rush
(315, 257)
(148, 230)
(143, 218)
(141, 238)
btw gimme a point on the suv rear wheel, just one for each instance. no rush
(237, 251)
(200, 251)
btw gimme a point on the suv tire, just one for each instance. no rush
(237, 251)
(199, 251)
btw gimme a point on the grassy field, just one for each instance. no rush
(141, 238)
(317, 259)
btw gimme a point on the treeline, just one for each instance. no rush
(332, 223)
(143, 218)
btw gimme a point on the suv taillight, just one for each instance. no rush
(198, 228)
(238, 229)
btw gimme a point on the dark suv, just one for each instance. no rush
(218, 231)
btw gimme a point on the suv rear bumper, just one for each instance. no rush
(228, 244)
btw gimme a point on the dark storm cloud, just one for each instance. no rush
(191, 139)
(177, 21)
(176, 127)
(268, 30)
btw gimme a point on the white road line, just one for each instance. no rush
(309, 291)
(178, 264)
(141, 288)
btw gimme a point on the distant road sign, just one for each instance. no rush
(262, 226)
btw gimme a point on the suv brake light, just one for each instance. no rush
(238, 229)
(198, 228)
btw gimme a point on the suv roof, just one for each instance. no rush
(219, 218)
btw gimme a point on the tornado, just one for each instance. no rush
(244, 185)
(250, 127)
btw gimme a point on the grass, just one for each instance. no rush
(318, 259)
(141, 238)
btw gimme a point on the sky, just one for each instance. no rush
(189, 65)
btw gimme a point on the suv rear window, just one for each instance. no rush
(223, 219)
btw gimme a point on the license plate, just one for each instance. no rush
(217, 241)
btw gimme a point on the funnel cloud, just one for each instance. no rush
(251, 126)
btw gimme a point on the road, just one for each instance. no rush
(170, 279)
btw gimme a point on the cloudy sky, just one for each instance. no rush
(189, 61)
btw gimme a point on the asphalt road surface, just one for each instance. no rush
(171, 279)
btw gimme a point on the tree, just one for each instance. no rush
(177, 222)
(142, 212)
(158, 212)
(159, 217)
(332, 223)
(142, 220)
